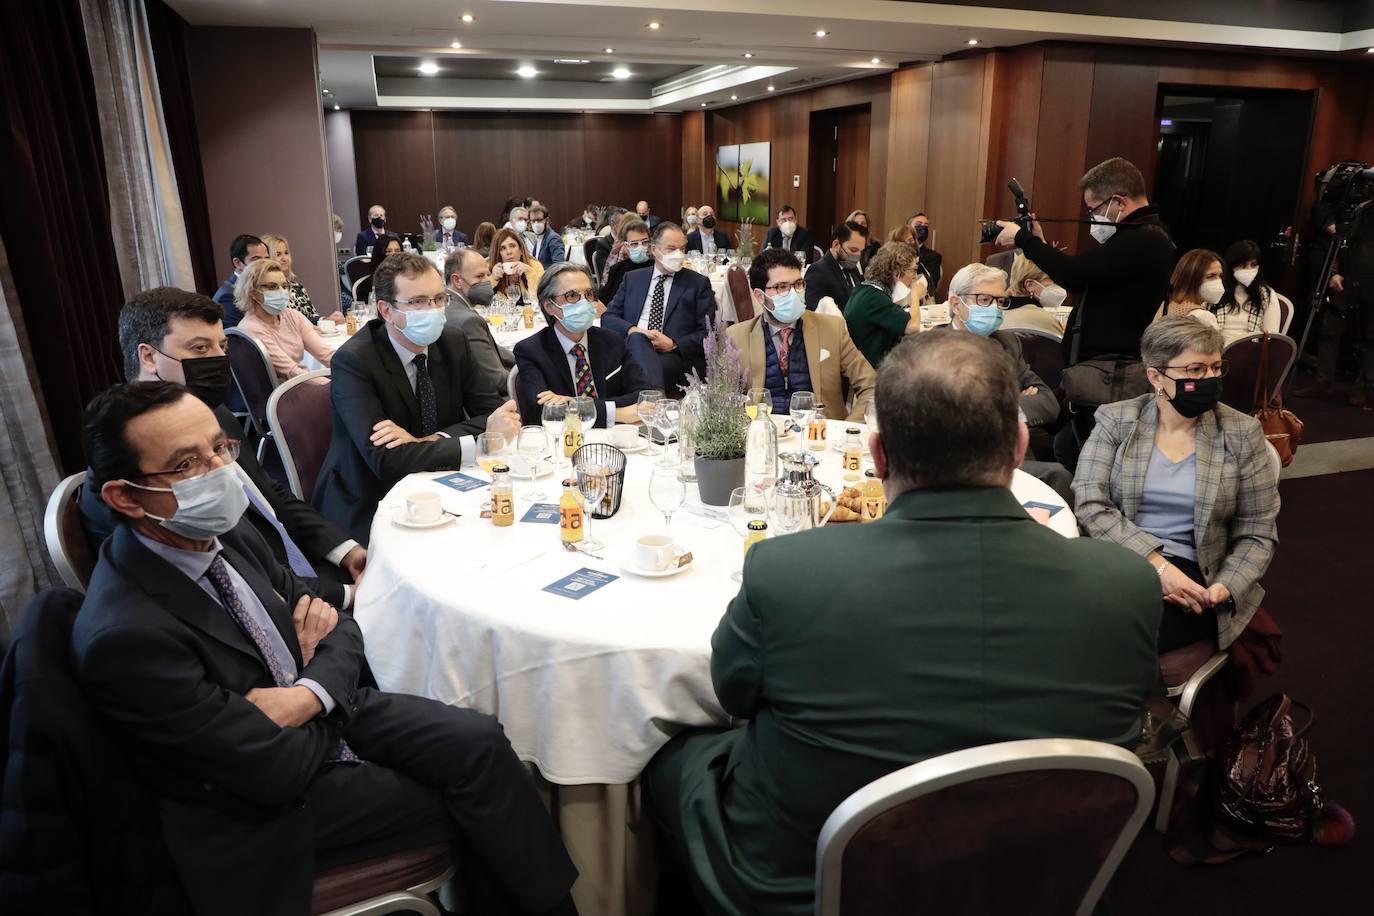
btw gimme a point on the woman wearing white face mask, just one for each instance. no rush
(1249, 305)
(876, 322)
(263, 294)
(1033, 296)
(1194, 287)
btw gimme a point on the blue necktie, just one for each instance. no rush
(294, 558)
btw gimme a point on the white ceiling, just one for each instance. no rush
(710, 39)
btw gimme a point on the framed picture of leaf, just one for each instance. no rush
(742, 172)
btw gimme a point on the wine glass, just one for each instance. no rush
(533, 446)
(552, 417)
(759, 399)
(666, 420)
(747, 504)
(647, 408)
(591, 483)
(802, 407)
(667, 492)
(491, 451)
(586, 412)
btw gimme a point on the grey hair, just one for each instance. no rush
(546, 283)
(376, 207)
(453, 264)
(450, 208)
(971, 276)
(1166, 338)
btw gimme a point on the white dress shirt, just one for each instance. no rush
(567, 344)
(642, 321)
(708, 241)
(469, 443)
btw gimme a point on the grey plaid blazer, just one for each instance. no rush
(1236, 504)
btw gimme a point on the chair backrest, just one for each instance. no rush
(597, 262)
(253, 374)
(362, 288)
(1044, 353)
(67, 545)
(356, 268)
(1027, 827)
(302, 423)
(1002, 260)
(1243, 359)
(1285, 312)
(738, 281)
(510, 383)
(588, 247)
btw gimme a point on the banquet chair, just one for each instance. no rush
(1002, 260)
(1186, 671)
(356, 268)
(1044, 353)
(597, 263)
(401, 882)
(362, 288)
(302, 422)
(588, 248)
(255, 379)
(738, 282)
(1243, 358)
(1285, 312)
(1049, 818)
(68, 548)
(511, 383)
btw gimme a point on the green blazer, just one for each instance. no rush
(876, 323)
(955, 620)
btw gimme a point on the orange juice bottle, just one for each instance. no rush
(572, 431)
(874, 499)
(570, 509)
(529, 315)
(853, 454)
(502, 496)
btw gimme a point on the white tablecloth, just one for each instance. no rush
(586, 689)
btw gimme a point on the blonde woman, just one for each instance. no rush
(279, 250)
(1032, 293)
(263, 294)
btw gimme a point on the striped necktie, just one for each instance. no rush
(586, 385)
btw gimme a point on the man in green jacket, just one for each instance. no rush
(954, 621)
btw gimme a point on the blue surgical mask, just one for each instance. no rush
(276, 301)
(788, 307)
(207, 506)
(579, 316)
(639, 255)
(983, 319)
(424, 327)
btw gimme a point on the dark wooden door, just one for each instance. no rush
(839, 168)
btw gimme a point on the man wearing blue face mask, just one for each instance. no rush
(407, 396)
(788, 348)
(572, 358)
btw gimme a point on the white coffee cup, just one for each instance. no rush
(327, 327)
(423, 508)
(655, 552)
(508, 267)
(625, 436)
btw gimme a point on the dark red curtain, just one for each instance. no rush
(167, 31)
(54, 212)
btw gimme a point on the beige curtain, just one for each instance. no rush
(145, 205)
(28, 472)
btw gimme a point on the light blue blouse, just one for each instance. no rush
(1166, 504)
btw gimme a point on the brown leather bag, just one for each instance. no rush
(1281, 426)
(1267, 785)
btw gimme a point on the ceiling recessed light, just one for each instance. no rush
(429, 68)
(621, 73)
(456, 44)
(748, 55)
(325, 92)
(527, 72)
(876, 60)
(821, 33)
(610, 50)
(1369, 50)
(570, 60)
(467, 17)
(703, 104)
(973, 41)
(653, 25)
(770, 88)
(336, 107)
(734, 98)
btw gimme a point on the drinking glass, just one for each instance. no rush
(586, 412)
(533, 446)
(552, 417)
(871, 416)
(759, 399)
(491, 451)
(647, 408)
(802, 407)
(666, 420)
(592, 485)
(746, 505)
(667, 492)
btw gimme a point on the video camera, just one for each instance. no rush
(1345, 187)
(988, 228)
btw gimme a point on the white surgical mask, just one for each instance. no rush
(672, 261)
(338, 237)
(207, 506)
(537, 227)
(449, 223)
(1052, 297)
(520, 225)
(1247, 275)
(1211, 290)
(787, 227)
(1103, 228)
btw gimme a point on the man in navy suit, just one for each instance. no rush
(708, 239)
(570, 357)
(243, 250)
(545, 242)
(787, 234)
(645, 213)
(369, 234)
(447, 235)
(670, 306)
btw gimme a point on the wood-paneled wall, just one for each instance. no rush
(414, 162)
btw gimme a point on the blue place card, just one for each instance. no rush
(542, 514)
(461, 482)
(580, 584)
(1046, 506)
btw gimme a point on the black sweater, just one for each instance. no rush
(1119, 284)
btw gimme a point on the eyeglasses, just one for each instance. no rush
(779, 289)
(1197, 371)
(196, 465)
(1002, 302)
(574, 295)
(416, 305)
(1092, 211)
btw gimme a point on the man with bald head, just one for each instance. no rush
(706, 238)
(469, 284)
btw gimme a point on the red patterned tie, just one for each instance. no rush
(785, 334)
(586, 385)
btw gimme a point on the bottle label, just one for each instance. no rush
(815, 433)
(502, 509)
(873, 508)
(572, 440)
(570, 523)
(852, 461)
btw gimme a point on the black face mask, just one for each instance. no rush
(207, 377)
(1194, 397)
(709, 222)
(378, 222)
(1018, 301)
(922, 233)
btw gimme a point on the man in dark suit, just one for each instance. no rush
(407, 396)
(571, 358)
(671, 306)
(930, 258)
(836, 274)
(243, 250)
(637, 256)
(375, 230)
(234, 693)
(469, 284)
(644, 213)
(169, 334)
(708, 239)
(787, 234)
(544, 241)
(447, 235)
(953, 621)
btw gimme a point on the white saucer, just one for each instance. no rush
(543, 469)
(629, 566)
(639, 446)
(403, 522)
(837, 444)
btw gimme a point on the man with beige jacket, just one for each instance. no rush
(788, 349)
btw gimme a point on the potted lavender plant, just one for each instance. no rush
(719, 422)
